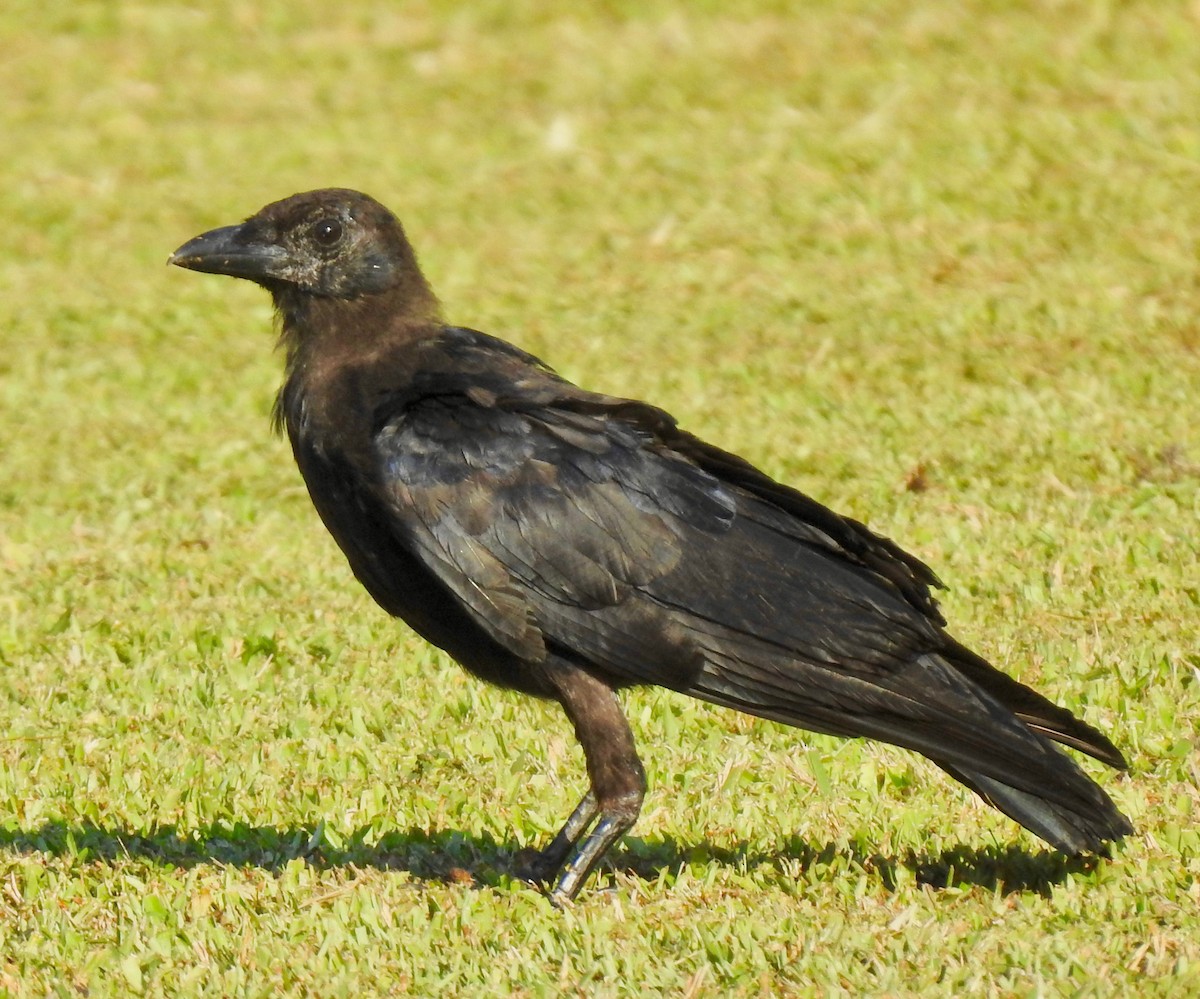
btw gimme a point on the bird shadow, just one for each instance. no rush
(1009, 869)
(480, 860)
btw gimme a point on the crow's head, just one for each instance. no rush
(332, 243)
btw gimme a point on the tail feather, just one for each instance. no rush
(1072, 829)
(1039, 713)
(982, 727)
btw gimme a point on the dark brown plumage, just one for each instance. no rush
(568, 544)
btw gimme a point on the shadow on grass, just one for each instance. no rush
(451, 856)
(428, 856)
(1007, 869)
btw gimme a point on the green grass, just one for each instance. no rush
(870, 245)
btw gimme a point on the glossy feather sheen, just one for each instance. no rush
(566, 544)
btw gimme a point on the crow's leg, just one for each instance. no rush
(550, 861)
(618, 782)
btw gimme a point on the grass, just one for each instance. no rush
(935, 263)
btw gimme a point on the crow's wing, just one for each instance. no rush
(582, 526)
(547, 523)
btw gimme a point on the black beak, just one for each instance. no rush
(235, 251)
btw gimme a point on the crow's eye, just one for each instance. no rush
(327, 232)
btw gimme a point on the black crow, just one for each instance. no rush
(568, 544)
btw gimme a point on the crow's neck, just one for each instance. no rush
(322, 337)
(315, 327)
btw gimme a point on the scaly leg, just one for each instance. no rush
(618, 782)
(550, 861)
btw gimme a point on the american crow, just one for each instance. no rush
(567, 544)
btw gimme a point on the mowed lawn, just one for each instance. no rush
(935, 263)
